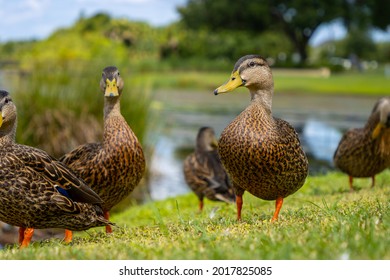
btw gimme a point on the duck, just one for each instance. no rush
(116, 165)
(36, 190)
(261, 153)
(203, 170)
(365, 152)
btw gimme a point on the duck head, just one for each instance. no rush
(206, 140)
(111, 83)
(382, 107)
(251, 71)
(7, 112)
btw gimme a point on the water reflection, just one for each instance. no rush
(319, 120)
(321, 140)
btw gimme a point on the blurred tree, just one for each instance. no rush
(360, 17)
(380, 14)
(298, 19)
(363, 14)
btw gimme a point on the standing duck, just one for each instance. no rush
(37, 191)
(365, 152)
(204, 172)
(261, 154)
(115, 166)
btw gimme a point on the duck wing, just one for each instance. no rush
(55, 172)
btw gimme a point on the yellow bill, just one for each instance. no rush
(234, 82)
(1, 120)
(111, 88)
(377, 130)
(214, 143)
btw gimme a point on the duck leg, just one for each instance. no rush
(107, 216)
(278, 206)
(21, 235)
(68, 236)
(373, 181)
(239, 206)
(201, 204)
(28, 233)
(350, 183)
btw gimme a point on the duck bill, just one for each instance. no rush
(214, 144)
(377, 130)
(111, 88)
(234, 82)
(1, 120)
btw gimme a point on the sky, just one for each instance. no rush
(37, 19)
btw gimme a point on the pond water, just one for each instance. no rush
(320, 121)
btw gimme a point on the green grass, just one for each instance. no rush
(348, 83)
(370, 83)
(323, 220)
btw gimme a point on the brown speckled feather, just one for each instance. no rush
(359, 154)
(204, 173)
(263, 155)
(36, 191)
(114, 167)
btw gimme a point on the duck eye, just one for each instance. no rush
(118, 74)
(6, 101)
(252, 64)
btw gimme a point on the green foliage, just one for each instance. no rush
(364, 14)
(204, 50)
(226, 15)
(298, 20)
(379, 16)
(361, 44)
(321, 221)
(383, 52)
(98, 39)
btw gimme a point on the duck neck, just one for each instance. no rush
(262, 98)
(111, 114)
(111, 107)
(372, 121)
(7, 133)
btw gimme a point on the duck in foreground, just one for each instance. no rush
(261, 154)
(37, 191)
(203, 170)
(365, 152)
(115, 166)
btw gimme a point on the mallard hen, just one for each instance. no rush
(261, 154)
(37, 191)
(115, 166)
(204, 172)
(365, 152)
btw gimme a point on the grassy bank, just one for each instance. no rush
(323, 220)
